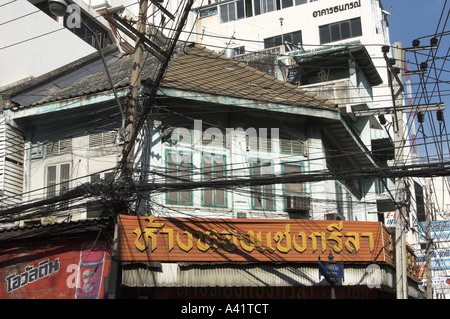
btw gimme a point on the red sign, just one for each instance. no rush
(63, 269)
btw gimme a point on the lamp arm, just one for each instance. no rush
(122, 131)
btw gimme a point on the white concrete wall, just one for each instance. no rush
(32, 43)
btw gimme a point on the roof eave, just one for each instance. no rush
(252, 104)
(355, 51)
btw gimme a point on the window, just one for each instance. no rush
(207, 12)
(59, 147)
(85, 34)
(295, 198)
(264, 6)
(294, 147)
(340, 31)
(262, 196)
(349, 206)
(287, 3)
(293, 188)
(240, 9)
(293, 38)
(58, 181)
(228, 12)
(380, 187)
(339, 198)
(178, 164)
(236, 10)
(213, 168)
(261, 142)
(51, 181)
(102, 139)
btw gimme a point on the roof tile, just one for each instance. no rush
(194, 69)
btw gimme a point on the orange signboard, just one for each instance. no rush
(281, 240)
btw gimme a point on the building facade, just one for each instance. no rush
(217, 127)
(251, 26)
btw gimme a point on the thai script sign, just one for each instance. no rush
(32, 274)
(195, 239)
(440, 258)
(331, 269)
(59, 269)
(337, 8)
(439, 230)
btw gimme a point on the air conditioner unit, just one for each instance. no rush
(298, 203)
(37, 151)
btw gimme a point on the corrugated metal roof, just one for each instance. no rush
(73, 228)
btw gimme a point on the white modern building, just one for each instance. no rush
(248, 26)
(34, 42)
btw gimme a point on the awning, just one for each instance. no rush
(255, 275)
(332, 56)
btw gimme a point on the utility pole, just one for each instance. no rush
(428, 246)
(401, 278)
(136, 76)
(399, 142)
(134, 122)
(127, 169)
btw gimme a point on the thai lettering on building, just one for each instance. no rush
(31, 274)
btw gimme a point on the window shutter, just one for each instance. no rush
(52, 148)
(297, 147)
(102, 139)
(285, 146)
(65, 145)
(95, 140)
(51, 181)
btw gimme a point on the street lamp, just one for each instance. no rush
(59, 8)
(330, 256)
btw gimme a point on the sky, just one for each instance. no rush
(411, 19)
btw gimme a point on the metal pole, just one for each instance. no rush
(428, 246)
(109, 78)
(400, 238)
